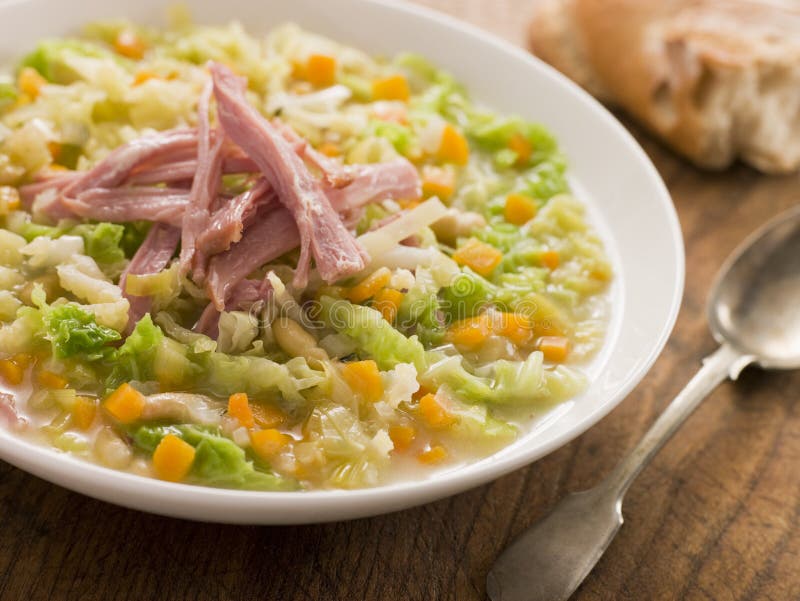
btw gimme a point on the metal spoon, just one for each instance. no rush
(754, 313)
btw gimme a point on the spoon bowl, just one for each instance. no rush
(754, 305)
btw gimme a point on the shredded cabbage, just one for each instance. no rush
(354, 457)
(102, 242)
(73, 331)
(47, 252)
(372, 334)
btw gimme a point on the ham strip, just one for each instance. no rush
(163, 205)
(108, 173)
(115, 168)
(178, 171)
(272, 234)
(48, 180)
(152, 256)
(322, 233)
(228, 222)
(203, 193)
(335, 173)
(396, 179)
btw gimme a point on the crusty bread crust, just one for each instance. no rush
(717, 79)
(555, 40)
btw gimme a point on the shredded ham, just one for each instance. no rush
(302, 198)
(203, 193)
(396, 179)
(162, 205)
(54, 181)
(185, 170)
(151, 257)
(272, 234)
(227, 223)
(335, 174)
(117, 166)
(322, 233)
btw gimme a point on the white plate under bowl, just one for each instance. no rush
(611, 174)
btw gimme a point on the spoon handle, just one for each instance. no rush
(550, 559)
(723, 363)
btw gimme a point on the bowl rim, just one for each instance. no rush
(199, 502)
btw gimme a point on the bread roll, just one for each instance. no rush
(717, 80)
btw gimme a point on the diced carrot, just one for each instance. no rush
(30, 82)
(364, 378)
(129, 45)
(520, 144)
(394, 87)
(329, 149)
(453, 146)
(514, 326)
(402, 436)
(471, 332)
(554, 348)
(387, 301)
(239, 407)
(434, 414)
(369, 286)
(438, 181)
(519, 209)
(83, 411)
(125, 404)
(173, 458)
(50, 380)
(435, 454)
(267, 416)
(551, 259)
(143, 76)
(321, 70)
(268, 443)
(11, 373)
(478, 256)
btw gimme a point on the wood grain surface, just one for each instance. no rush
(714, 517)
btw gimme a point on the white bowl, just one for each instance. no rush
(610, 172)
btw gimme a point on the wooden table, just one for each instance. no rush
(714, 517)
